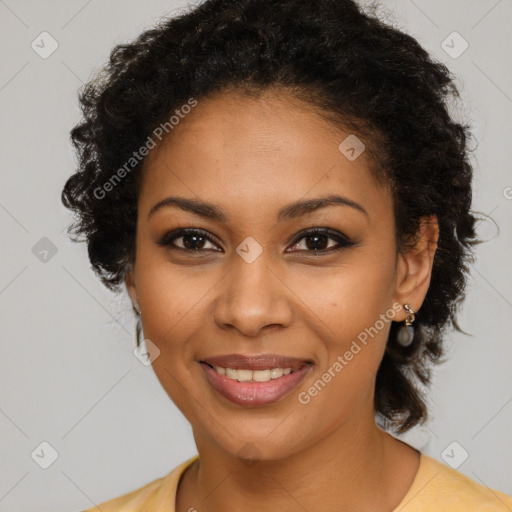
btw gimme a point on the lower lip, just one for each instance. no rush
(255, 393)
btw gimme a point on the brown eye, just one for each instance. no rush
(192, 240)
(317, 241)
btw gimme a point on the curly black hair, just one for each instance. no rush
(355, 70)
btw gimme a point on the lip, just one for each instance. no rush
(254, 394)
(255, 362)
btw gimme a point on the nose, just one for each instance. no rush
(253, 298)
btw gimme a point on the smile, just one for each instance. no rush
(254, 387)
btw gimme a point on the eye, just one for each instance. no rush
(318, 241)
(192, 240)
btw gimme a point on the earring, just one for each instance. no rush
(136, 308)
(138, 326)
(138, 330)
(406, 331)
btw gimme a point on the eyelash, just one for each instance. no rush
(343, 241)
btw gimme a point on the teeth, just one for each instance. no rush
(243, 375)
(261, 375)
(231, 374)
(220, 370)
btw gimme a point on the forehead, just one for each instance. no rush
(251, 153)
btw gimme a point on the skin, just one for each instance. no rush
(251, 157)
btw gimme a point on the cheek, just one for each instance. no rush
(354, 310)
(348, 297)
(173, 299)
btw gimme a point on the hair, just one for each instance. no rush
(356, 71)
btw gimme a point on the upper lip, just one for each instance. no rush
(255, 362)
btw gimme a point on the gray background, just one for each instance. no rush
(69, 375)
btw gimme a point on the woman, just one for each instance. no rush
(282, 191)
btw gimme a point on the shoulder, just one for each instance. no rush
(438, 487)
(160, 494)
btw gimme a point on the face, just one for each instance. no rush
(249, 278)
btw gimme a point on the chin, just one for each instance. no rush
(259, 446)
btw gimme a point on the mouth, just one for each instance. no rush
(254, 380)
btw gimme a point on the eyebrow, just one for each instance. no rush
(288, 212)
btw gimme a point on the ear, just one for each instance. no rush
(129, 281)
(414, 267)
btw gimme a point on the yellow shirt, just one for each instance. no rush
(436, 488)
